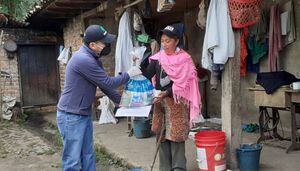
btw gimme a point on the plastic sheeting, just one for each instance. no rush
(65, 55)
(8, 103)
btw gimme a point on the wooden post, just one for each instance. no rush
(230, 106)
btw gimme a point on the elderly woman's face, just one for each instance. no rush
(169, 44)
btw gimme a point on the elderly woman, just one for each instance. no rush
(173, 73)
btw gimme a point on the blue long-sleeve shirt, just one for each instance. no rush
(84, 73)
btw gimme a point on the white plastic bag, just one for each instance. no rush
(138, 91)
(8, 103)
(64, 56)
(107, 111)
(137, 52)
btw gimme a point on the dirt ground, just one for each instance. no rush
(22, 150)
(33, 145)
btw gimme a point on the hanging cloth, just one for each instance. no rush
(201, 19)
(218, 43)
(275, 41)
(124, 45)
(288, 23)
(244, 52)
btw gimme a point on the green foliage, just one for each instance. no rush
(17, 8)
(3, 9)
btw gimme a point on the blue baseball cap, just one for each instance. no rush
(96, 33)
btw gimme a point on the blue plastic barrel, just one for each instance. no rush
(141, 127)
(248, 157)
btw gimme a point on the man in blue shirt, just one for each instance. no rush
(84, 73)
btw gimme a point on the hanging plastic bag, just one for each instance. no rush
(107, 111)
(64, 56)
(138, 91)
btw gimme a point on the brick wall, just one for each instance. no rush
(12, 86)
(9, 86)
(72, 38)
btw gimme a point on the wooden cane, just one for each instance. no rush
(158, 142)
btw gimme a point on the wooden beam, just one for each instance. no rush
(57, 16)
(100, 8)
(77, 12)
(80, 1)
(63, 9)
(72, 5)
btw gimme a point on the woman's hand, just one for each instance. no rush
(136, 60)
(160, 97)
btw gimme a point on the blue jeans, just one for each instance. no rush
(77, 135)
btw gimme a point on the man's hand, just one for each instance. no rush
(134, 71)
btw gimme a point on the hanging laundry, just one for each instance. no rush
(257, 46)
(253, 68)
(124, 45)
(260, 30)
(138, 27)
(215, 75)
(218, 43)
(201, 19)
(275, 41)
(138, 23)
(287, 17)
(243, 52)
(256, 49)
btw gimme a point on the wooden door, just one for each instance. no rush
(38, 69)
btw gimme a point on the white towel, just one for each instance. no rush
(219, 37)
(124, 45)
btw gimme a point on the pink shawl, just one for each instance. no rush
(182, 71)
